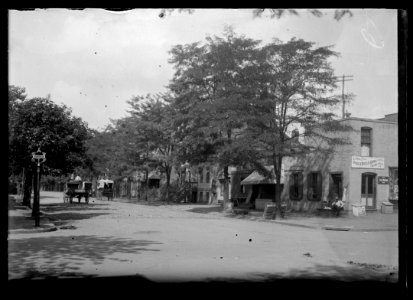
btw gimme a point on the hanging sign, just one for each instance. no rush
(383, 180)
(365, 162)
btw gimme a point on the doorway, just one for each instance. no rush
(193, 198)
(368, 190)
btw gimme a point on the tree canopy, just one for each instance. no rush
(39, 122)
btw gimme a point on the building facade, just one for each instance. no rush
(364, 172)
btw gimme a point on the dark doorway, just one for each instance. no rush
(193, 198)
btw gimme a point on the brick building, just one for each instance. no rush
(364, 172)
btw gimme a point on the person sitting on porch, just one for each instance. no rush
(337, 206)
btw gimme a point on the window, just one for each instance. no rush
(336, 186)
(296, 186)
(314, 186)
(207, 196)
(201, 174)
(207, 177)
(366, 141)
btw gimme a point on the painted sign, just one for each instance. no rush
(365, 162)
(383, 179)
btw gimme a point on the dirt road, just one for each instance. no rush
(191, 243)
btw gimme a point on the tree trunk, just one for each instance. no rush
(27, 187)
(226, 187)
(146, 185)
(277, 171)
(168, 182)
(278, 195)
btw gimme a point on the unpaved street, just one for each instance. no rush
(191, 243)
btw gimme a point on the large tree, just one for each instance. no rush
(210, 79)
(293, 111)
(152, 125)
(246, 99)
(40, 123)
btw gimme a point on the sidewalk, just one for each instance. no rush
(372, 221)
(21, 220)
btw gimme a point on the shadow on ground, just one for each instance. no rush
(53, 255)
(72, 216)
(20, 222)
(206, 209)
(56, 212)
(67, 212)
(336, 273)
(72, 206)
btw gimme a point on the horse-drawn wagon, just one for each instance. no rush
(105, 188)
(77, 189)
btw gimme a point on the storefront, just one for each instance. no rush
(260, 190)
(363, 172)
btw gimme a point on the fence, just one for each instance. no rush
(52, 187)
(126, 189)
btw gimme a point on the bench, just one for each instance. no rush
(327, 212)
(241, 211)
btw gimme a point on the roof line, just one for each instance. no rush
(368, 120)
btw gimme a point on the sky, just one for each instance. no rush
(94, 60)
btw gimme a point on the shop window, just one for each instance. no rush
(314, 186)
(296, 186)
(366, 141)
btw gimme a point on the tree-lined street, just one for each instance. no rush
(216, 147)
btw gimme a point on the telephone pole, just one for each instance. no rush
(343, 79)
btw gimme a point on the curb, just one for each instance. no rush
(298, 225)
(43, 228)
(319, 227)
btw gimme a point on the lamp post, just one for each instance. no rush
(38, 157)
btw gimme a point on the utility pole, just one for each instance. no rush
(343, 79)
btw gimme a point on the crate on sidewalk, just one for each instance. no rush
(386, 208)
(359, 210)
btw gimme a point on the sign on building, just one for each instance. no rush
(364, 162)
(383, 179)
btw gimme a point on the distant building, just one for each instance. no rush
(364, 172)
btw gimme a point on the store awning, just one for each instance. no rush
(102, 182)
(257, 178)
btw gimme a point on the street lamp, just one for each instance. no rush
(38, 157)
